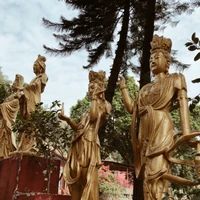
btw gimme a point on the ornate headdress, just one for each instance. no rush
(98, 77)
(41, 60)
(161, 43)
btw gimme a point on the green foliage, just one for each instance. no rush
(5, 87)
(194, 118)
(50, 134)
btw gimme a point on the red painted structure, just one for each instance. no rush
(27, 178)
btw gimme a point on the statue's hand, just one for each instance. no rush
(18, 95)
(122, 82)
(61, 115)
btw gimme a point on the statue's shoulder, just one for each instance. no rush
(177, 75)
(179, 80)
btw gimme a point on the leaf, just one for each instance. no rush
(197, 57)
(188, 44)
(196, 40)
(191, 107)
(192, 48)
(197, 98)
(193, 36)
(197, 80)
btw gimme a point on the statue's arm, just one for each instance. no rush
(128, 102)
(183, 103)
(44, 80)
(181, 87)
(184, 111)
(93, 109)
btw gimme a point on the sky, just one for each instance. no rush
(22, 37)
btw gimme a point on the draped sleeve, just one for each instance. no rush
(180, 82)
(32, 93)
(9, 111)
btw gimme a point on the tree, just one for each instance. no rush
(99, 21)
(96, 26)
(5, 86)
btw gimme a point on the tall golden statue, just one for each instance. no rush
(83, 159)
(8, 111)
(155, 142)
(32, 96)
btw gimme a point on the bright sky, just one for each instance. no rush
(22, 37)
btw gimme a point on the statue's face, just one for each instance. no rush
(18, 83)
(14, 85)
(158, 63)
(92, 87)
(36, 68)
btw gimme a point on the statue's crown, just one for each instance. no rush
(41, 60)
(161, 43)
(97, 76)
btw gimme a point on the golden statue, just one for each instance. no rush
(153, 146)
(32, 96)
(8, 111)
(83, 159)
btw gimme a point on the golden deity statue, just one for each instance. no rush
(83, 159)
(8, 112)
(32, 96)
(155, 141)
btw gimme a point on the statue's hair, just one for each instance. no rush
(97, 77)
(41, 61)
(161, 43)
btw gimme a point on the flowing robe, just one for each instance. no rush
(9, 109)
(32, 96)
(156, 130)
(83, 159)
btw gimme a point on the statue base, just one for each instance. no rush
(26, 177)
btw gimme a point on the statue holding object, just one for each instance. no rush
(32, 96)
(156, 140)
(8, 111)
(83, 159)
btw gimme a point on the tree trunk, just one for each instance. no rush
(138, 189)
(115, 70)
(145, 74)
(148, 35)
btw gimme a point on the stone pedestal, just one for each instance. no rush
(27, 178)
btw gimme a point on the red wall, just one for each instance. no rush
(25, 178)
